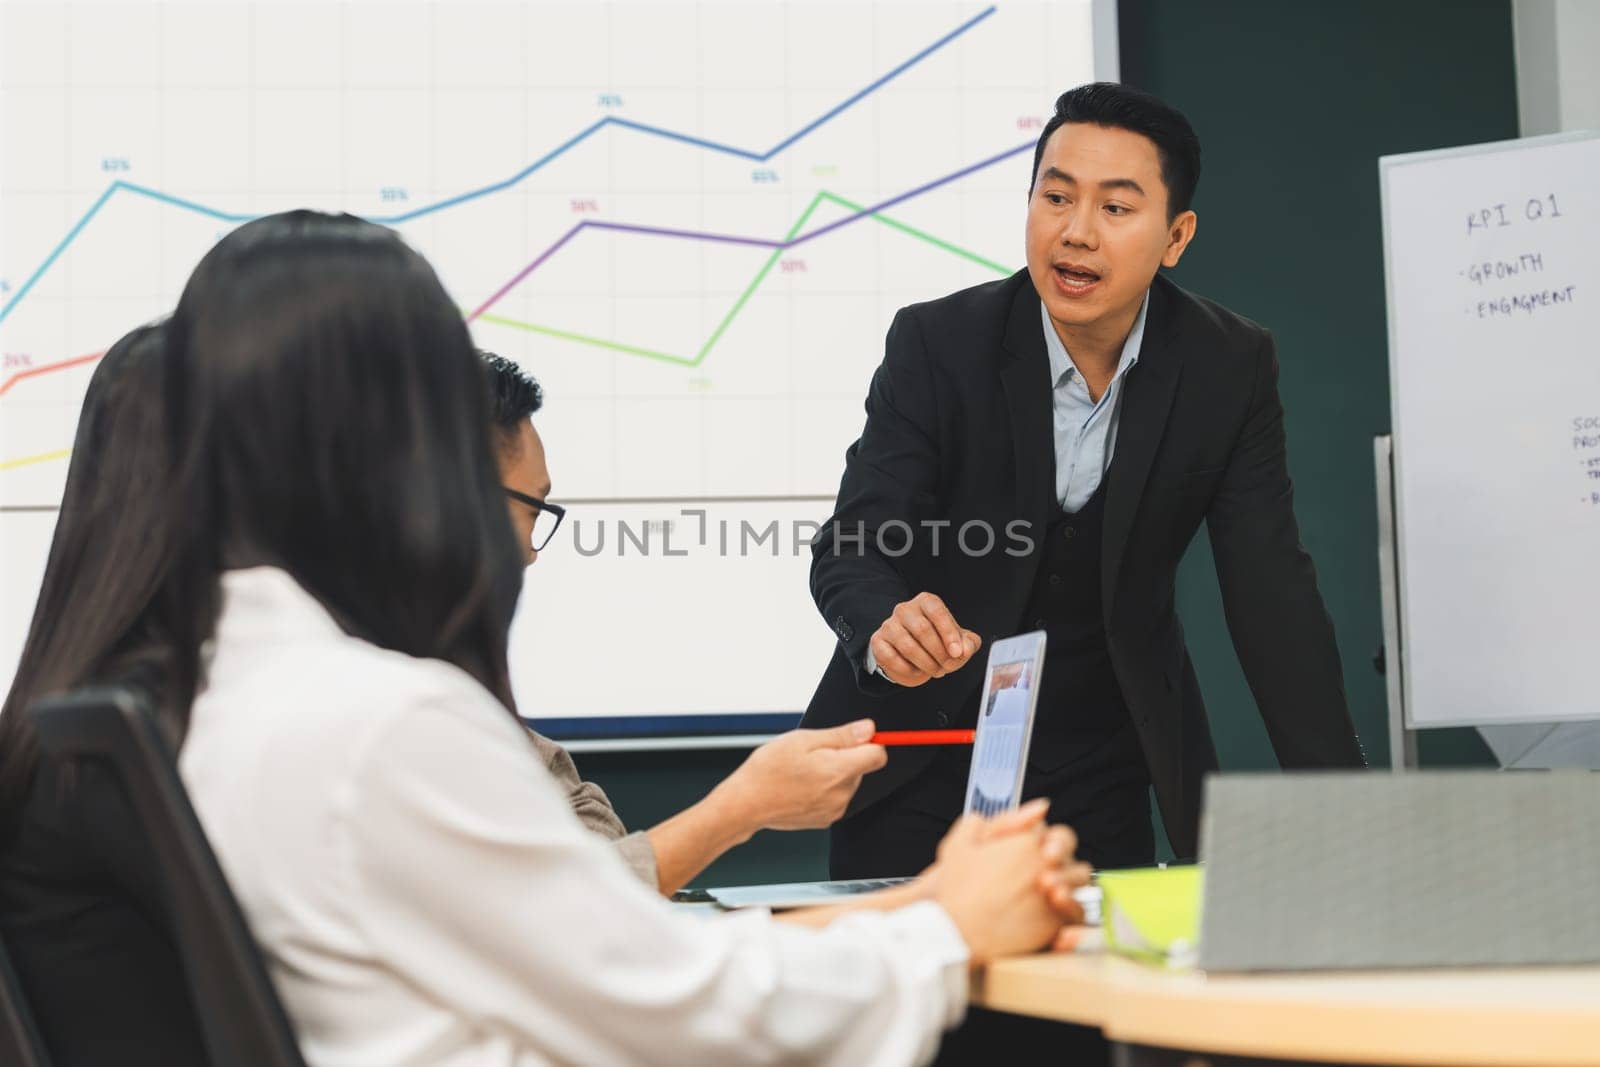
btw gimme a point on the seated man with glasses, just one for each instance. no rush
(801, 780)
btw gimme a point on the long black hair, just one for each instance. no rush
(112, 549)
(336, 422)
(314, 403)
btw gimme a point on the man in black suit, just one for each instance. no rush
(1038, 454)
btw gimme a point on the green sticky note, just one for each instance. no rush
(1153, 913)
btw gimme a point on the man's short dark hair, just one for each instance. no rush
(1122, 107)
(514, 394)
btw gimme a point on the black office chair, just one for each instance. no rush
(241, 1019)
(20, 1043)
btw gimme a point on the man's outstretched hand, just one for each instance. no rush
(921, 640)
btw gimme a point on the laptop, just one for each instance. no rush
(1007, 705)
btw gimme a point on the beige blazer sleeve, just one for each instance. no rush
(590, 804)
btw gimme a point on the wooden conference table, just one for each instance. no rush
(1446, 1018)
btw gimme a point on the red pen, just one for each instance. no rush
(924, 737)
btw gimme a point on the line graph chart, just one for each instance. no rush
(692, 221)
(121, 186)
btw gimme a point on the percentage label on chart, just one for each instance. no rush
(583, 205)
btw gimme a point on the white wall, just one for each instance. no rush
(1558, 76)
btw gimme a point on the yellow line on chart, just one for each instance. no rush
(42, 457)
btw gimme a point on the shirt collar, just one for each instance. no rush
(266, 604)
(1061, 365)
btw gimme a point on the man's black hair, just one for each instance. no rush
(514, 394)
(1122, 107)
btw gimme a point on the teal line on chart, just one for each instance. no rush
(548, 157)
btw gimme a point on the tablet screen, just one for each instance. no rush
(1005, 722)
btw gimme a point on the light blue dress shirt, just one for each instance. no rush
(1085, 430)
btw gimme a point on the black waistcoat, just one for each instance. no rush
(1082, 722)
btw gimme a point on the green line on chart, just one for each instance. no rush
(28, 461)
(716, 335)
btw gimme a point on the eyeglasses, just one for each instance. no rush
(546, 517)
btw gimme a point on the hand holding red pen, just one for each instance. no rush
(799, 780)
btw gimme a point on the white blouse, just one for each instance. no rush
(423, 894)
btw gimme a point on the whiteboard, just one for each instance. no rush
(692, 222)
(1494, 362)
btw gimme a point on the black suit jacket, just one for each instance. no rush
(959, 428)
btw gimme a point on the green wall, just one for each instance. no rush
(1294, 103)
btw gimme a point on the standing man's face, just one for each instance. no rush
(523, 468)
(1098, 227)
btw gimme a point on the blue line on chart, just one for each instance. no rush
(548, 157)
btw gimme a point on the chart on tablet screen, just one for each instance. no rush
(692, 222)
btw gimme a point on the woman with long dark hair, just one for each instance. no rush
(81, 911)
(418, 886)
